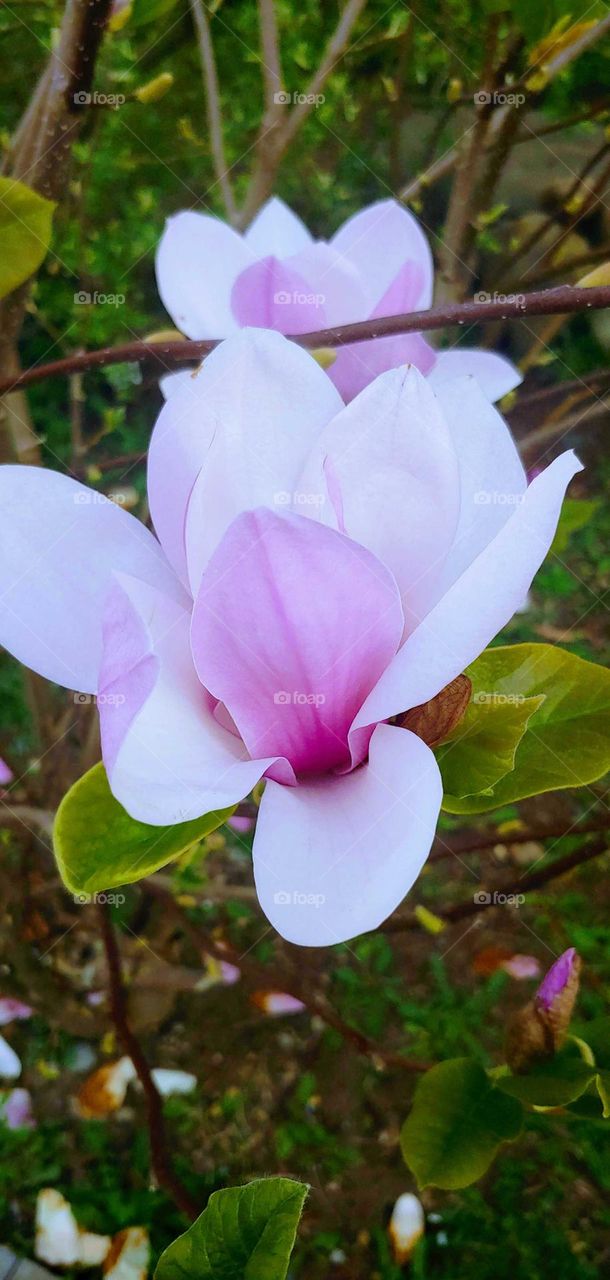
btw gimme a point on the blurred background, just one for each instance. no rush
(515, 187)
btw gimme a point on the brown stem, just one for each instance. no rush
(563, 300)
(160, 1159)
(464, 842)
(526, 883)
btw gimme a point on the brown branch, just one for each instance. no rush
(527, 882)
(277, 131)
(289, 982)
(474, 841)
(563, 300)
(160, 1159)
(213, 104)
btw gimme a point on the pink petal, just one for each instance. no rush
(378, 241)
(198, 259)
(395, 469)
(59, 546)
(276, 229)
(292, 625)
(167, 758)
(16, 1110)
(12, 1010)
(268, 404)
(334, 279)
(334, 857)
(478, 605)
(495, 374)
(6, 773)
(244, 426)
(272, 295)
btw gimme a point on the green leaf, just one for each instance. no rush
(244, 1233)
(596, 1034)
(575, 514)
(456, 1124)
(551, 1084)
(25, 233)
(567, 742)
(146, 11)
(482, 748)
(98, 845)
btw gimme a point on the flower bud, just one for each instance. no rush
(406, 1227)
(539, 1029)
(155, 89)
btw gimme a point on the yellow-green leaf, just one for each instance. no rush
(98, 846)
(25, 233)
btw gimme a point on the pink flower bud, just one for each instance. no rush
(539, 1029)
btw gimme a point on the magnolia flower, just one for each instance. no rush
(317, 571)
(406, 1227)
(16, 1109)
(214, 281)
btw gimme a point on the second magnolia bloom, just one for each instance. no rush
(214, 281)
(318, 570)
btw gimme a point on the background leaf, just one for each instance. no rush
(456, 1124)
(98, 845)
(244, 1233)
(566, 743)
(25, 232)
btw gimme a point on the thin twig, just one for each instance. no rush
(564, 300)
(160, 1159)
(288, 982)
(527, 882)
(213, 104)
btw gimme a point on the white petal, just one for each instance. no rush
(277, 230)
(334, 857)
(10, 1066)
(198, 261)
(171, 760)
(492, 478)
(478, 605)
(263, 401)
(390, 457)
(378, 241)
(59, 546)
(495, 374)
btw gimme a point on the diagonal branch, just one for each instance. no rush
(563, 300)
(213, 104)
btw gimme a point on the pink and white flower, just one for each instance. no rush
(317, 570)
(214, 281)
